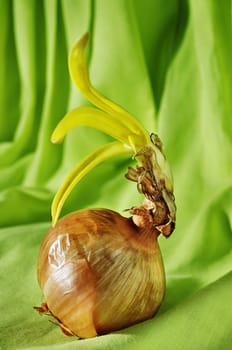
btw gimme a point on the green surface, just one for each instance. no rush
(170, 65)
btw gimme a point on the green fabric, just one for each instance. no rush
(170, 65)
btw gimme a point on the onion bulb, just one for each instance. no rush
(100, 271)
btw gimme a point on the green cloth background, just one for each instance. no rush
(167, 62)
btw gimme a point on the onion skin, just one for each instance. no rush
(100, 272)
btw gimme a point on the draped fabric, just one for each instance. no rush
(169, 64)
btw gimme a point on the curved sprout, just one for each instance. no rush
(115, 121)
(80, 170)
(80, 76)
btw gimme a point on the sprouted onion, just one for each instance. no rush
(100, 271)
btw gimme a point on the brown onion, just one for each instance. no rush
(100, 272)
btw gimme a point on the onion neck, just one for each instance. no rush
(157, 213)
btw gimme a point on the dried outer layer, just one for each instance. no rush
(155, 182)
(99, 272)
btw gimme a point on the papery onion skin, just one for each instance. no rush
(99, 272)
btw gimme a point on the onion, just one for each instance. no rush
(100, 271)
